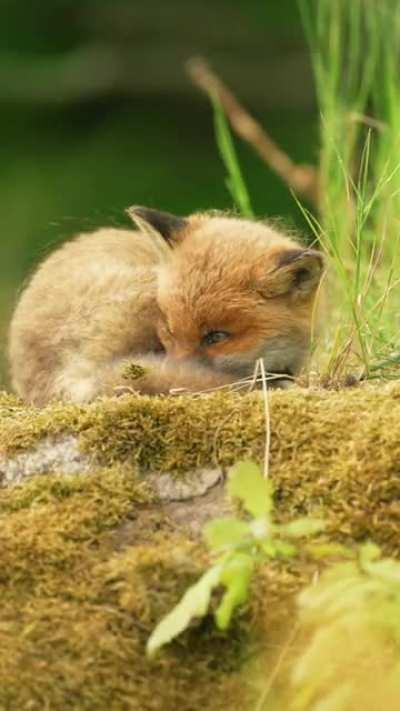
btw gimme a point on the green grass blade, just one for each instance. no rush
(234, 181)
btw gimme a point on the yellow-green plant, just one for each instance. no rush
(351, 618)
(237, 547)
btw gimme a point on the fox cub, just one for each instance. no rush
(195, 301)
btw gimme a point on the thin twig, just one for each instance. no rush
(303, 179)
(255, 376)
(275, 671)
(368, 121)
(267, 419)
(316, 307)
(245, 383)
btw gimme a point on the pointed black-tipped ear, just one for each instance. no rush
(297, 271)
(168, 226)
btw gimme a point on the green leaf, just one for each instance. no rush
(247, 484)
(275, 548)
(194, 603)
(268, 547)
(235, 576)
(302, 527)
(284, 549)
(224, 532)
(329, 550)
(387, 570)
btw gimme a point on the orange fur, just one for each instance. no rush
(122, 295)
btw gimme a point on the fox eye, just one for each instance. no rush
(213, 337)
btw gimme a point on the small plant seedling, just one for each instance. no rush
(238, 547)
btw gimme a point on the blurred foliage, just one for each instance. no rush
(97, 113)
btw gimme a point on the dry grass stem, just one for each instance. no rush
(277, 668)
(244, 384)
(267, 418)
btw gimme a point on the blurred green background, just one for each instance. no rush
(97, 113)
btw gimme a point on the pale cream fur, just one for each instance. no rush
(114, 296)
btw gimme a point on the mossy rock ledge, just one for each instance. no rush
(101, 511)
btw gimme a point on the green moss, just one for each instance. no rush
(9, 404)
(162, 433)
(332, 453)
(80, 597)
(133, 371)
(90, 563)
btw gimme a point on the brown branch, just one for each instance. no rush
(303, 179)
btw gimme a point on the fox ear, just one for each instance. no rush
(167, 225)
(296, 271)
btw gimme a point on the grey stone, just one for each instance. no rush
(55, 456)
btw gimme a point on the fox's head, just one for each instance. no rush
(231, 291)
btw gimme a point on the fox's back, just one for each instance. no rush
(93, 298)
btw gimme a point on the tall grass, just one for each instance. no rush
(355, 54)
(355, 51)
